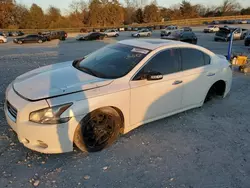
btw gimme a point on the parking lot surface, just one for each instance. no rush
(206, 147)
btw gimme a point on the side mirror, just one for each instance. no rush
(154, 76)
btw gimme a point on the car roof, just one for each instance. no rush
(150, 44)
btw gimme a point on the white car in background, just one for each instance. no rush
(168, 30)
(112, 91)
(3, 39)
(111, 33)
(211, 29)
(142, 33)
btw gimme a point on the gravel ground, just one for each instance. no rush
(206, 147)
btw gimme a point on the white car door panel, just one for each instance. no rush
(150, 99)
(154, 98)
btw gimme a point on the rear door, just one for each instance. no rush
(198, 76)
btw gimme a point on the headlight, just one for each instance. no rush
(50, 115)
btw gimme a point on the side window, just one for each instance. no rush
(192, 58)
(165, 62)
(207, 59)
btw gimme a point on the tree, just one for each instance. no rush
(114, 13)
(229, 7)
(188, 10)
(21, 16)
(53, 14)
(139, 15)
(95, 10)
(36, 17)
(151, 14)
(245, 11)
(6, 9)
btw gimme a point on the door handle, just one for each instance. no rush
(211, 74)
(177, 82)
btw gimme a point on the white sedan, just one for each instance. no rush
(3, 39)
(91, 101)
(111, 33)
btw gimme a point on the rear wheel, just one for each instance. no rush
(1, 41)
(217, 89)
(148, 34)
(40, 41)
(98, 130)
(138, 36)
(19, 42)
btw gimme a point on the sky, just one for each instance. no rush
(63, 4)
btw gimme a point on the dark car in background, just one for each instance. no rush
(15, 33)
(186, 28)
(91, 36)
(52, 35)
(183, 36)
(30, 39)
(224, 33)
(61, 35)
(247, 40)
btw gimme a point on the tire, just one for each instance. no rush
(211, 93)
(98, 130)
(1, 41)
(138, 36)
(20, 42)
(148, 35)
(117, 35)
(215, 40)
(246, 44)
(40, 41)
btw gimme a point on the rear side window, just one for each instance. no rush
(165, 62)
(192, 58)
(207, 59)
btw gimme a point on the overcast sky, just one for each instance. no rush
(63, 4)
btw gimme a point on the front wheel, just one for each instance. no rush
(98, 130)
(1, 41)
(19, 42)
(40, 41)
(138, 36)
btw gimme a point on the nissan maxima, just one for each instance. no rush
(89, 102)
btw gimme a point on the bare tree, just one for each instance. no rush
(229, 6)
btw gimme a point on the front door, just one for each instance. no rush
(153, 99)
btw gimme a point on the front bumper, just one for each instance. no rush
(38, 137)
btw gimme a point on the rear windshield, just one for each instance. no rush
(112, 61)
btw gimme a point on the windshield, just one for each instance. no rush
(112, 61)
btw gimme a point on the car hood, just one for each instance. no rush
(55, 80)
